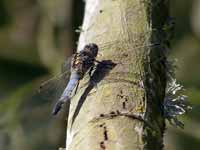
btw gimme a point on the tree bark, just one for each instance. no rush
(124, 110)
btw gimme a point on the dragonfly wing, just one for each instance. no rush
(66, 65)
(53, 88)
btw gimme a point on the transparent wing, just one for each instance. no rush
(66, 66)
(52, 89)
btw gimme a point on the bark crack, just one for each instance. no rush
(117, 113)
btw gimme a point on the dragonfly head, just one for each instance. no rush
(92, 49)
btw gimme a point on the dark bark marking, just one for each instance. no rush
(125, 55)
(105, 134)
(124, 105)
(118, 112)
(101, 115)
(121, 92)
(126, 114)
(102, 145)
(126, 99)
(101, 125)
(112, 112)
(120, 96)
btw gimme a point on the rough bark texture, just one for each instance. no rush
(124, 110)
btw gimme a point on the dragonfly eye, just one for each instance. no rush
(91, 48)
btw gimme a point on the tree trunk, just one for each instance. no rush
(123, 111)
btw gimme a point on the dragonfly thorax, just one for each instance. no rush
(84, 59)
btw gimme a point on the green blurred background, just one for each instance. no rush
(36, 37)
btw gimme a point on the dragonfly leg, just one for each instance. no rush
(91, 71)
(92, 81)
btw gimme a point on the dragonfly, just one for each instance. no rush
(80, 63)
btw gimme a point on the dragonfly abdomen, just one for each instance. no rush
(66, 95)
(74, 78)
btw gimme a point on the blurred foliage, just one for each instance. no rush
(186, 49)
(36, 36)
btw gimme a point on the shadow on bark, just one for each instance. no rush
(101, 70)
